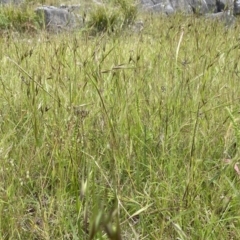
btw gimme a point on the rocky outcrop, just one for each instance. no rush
(220, 10)
(61, 18)
(10, 1)
(226, 17)
(191, 6)
(236, 8)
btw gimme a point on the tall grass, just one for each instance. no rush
(121, 137)
(19, 19)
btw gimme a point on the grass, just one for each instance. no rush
(131, 136)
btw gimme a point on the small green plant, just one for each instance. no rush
(104, 20)
(115, 17)
(129, 11)
(4, 21)
(107, 222)
(18, 19)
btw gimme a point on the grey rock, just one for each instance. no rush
(189, 6)
(203, 6)
(236, 9)
(182, 5)
(226, 17)
(160, 7)
(169, 9)
(57, 19)
(219, 10)
(71, 8)
(223, 5)
(15, 2)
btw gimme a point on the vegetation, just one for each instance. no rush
(131, 136)
(20, 19)
(120, 15)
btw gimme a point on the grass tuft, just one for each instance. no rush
(20, 19)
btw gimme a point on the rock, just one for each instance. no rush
(220, 10)
(157, 6)
(171, 6)
(181, 5)
(226, 17)
(189, 6)
(160, 8)
(61, 18)
(11, 2)
(223, 5)
(236, 9)
(202, 6)
(71, 8)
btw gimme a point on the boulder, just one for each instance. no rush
(158, 6)
(223, 5)
(226, 17)
(57, 19)
(181, 5)
(165, 7)
(236, 8)
(10, 2)
(202, 6)
(218, 10)
(189, 6)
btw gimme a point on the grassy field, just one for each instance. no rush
(121, 135)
